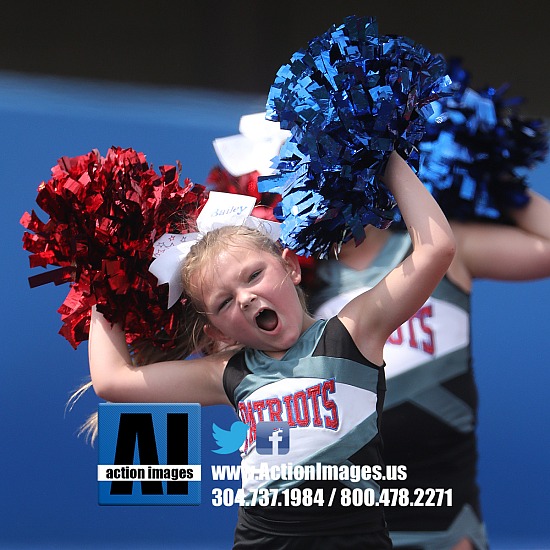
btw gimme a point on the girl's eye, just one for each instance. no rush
(255, 274)
(224, 303)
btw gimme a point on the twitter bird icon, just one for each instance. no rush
(229, 440)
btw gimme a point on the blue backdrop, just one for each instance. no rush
(48, 475)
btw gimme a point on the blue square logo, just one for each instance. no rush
(149, 453)
(272, 438)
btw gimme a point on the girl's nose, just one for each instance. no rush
(246, 298)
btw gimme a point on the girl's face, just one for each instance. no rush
(250, 298)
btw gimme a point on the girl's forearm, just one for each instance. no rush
(534, 218)
(107, 352)
(423, 217)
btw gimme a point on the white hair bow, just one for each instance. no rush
(253, 148)
(221, 209)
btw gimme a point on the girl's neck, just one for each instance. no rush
(360, 257)
(307, 322)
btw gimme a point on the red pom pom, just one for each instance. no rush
(105, 215)
(247, 184)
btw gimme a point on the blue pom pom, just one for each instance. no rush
(349, 99)
(475, 149)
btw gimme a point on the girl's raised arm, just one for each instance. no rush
(115, 379)
(504, 252)
(374, 315)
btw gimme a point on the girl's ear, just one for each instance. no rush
(292, 265)
(217, 335)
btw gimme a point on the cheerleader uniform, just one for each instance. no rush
(430, 410)
(330, 397)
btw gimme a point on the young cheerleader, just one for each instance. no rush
(344, 166)
(502, 233)
(245, 290)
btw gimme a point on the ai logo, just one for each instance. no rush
(149, 453)
(272, 438)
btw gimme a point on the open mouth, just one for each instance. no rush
(267, 320)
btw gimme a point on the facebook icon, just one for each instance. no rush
(272, 438)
